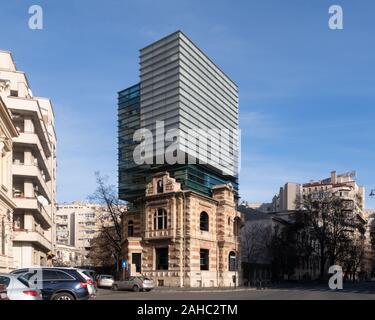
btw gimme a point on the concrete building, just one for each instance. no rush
(342, 185)
(7, 133)
(33, 168)
(77, 224)
(182, 228)
(285, 206)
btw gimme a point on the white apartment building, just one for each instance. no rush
(77, 224)
(33, 167)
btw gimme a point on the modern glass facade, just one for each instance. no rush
(183, 88)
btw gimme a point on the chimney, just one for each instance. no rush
(333, 177)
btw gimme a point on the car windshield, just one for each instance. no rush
(106, 277)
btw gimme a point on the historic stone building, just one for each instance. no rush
(183, 238)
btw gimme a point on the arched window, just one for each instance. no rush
(160, 219)
(159, 186)
(236, 226)
(204, 221)
(232, 263)
(130, 228)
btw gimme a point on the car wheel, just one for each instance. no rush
(115, 287)
(63, 296)
(135, 288)
(148, 290)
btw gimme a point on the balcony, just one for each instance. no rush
(159, 234)
(35, 205)
(34, 172)
(31, 107)
(33, 237)
(26, 138)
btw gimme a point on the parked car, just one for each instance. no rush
(138, 283)
(91, 284)
(57, 283)
(3, 292)
(105, 281)
(15, 287)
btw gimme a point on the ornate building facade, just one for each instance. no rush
(183, 238)
(7, 133)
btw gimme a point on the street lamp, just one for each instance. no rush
(372, 194)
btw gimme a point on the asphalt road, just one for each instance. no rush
(365, 291)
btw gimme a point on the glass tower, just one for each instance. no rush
(183, 89)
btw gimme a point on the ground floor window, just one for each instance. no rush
(161, 255)
(232, 261)
(204, 259)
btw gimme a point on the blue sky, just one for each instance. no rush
(306, 92)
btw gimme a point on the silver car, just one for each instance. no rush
(105, 281)
(134, 283)
(19, 288)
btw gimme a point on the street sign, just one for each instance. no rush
(123, 264)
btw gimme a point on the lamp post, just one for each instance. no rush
(372, 193)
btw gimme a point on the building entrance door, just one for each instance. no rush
(136, 259)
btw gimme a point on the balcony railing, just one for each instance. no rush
(33, 171)
(33, 235)
(154, 234)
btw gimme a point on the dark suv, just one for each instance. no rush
(57, 283)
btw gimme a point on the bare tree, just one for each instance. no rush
(101, 252)
(332, 223)
(110, 219)
(255, 238)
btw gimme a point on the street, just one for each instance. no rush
(363, 291)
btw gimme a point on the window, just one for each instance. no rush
(204, 221)
(160, 219)
(236, 226)
(50, 275)
(4, 280)
(161, 255)
(64, 276)
(13, 93)
(232, 263)
(130, 228)
(204, 259)
(159, 186)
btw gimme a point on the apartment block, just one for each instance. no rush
(77, 224)
(33, 167)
